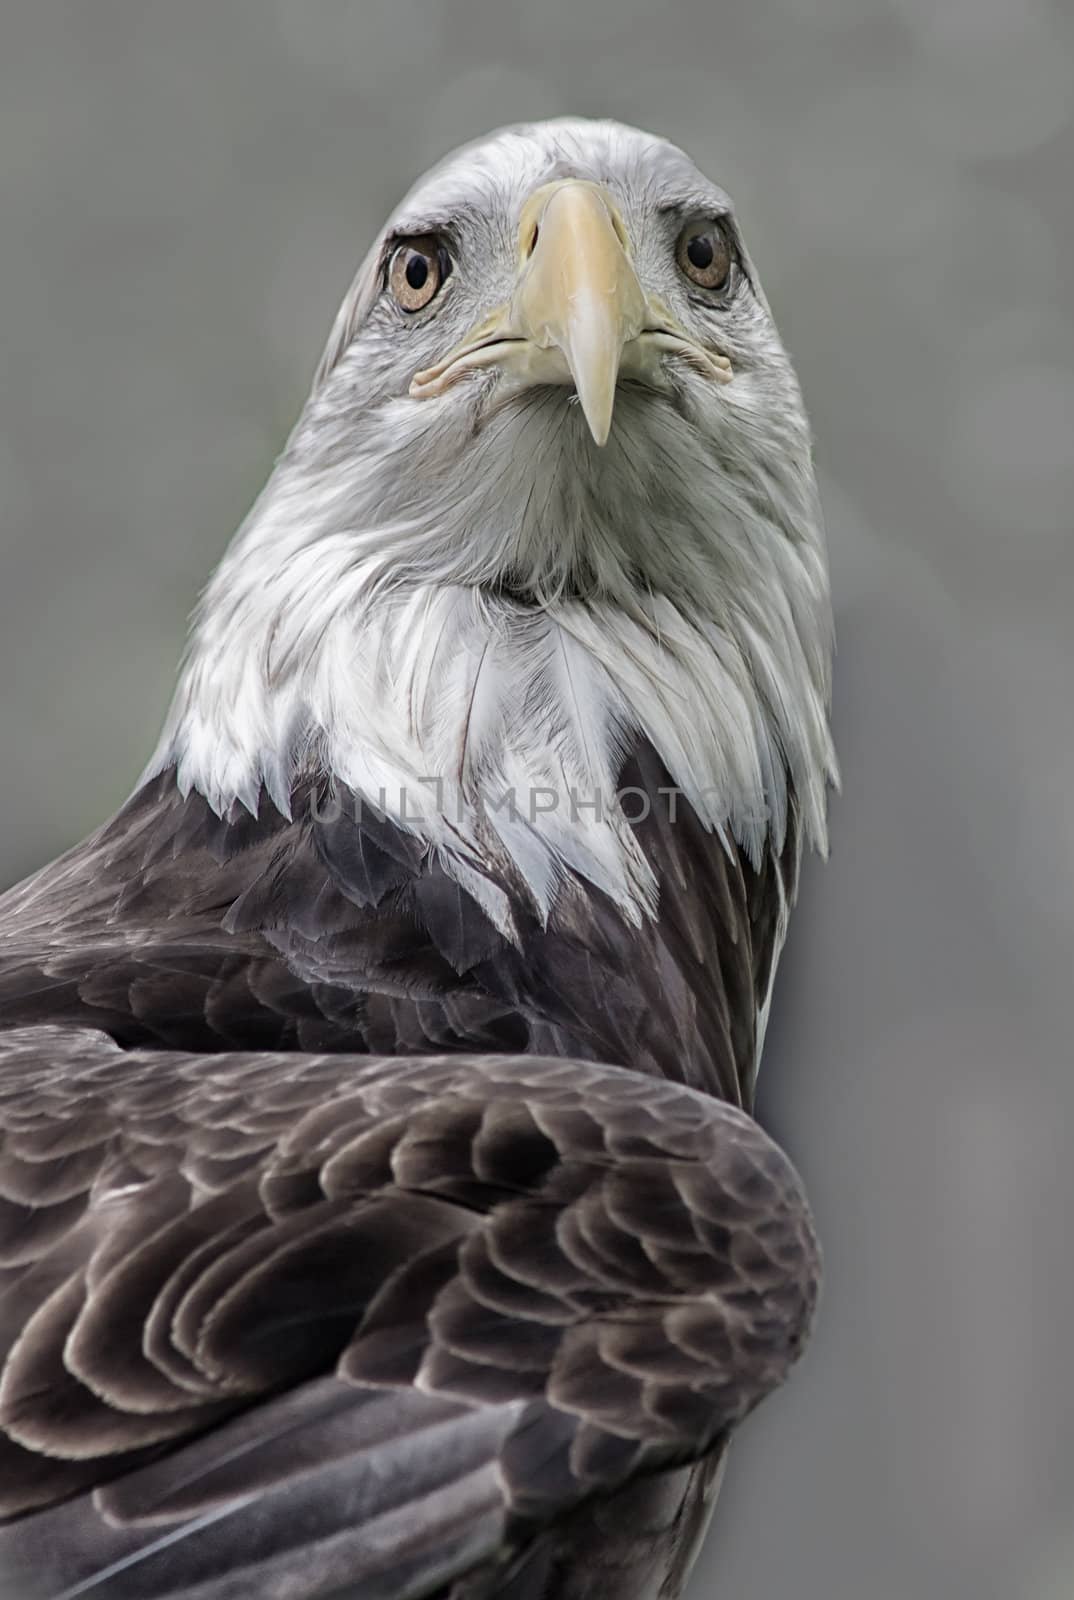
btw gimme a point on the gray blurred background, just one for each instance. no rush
(185, 190)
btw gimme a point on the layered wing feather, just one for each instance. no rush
(277, 1323)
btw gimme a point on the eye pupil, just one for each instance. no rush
(417, 270)
(700, 252)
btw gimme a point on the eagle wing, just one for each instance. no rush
(282, 1322)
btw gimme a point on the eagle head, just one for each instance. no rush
(552, 491)
(558, 329)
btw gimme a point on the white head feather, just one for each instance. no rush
(440, 602)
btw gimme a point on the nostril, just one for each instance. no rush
(534, 236)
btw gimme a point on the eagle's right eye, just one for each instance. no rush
(418, 269)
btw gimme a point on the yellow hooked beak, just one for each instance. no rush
(578, 313)
(578, 292)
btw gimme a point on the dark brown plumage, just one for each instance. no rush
(292, 1306)
(336, 930)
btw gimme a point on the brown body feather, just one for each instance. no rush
(306, 1319)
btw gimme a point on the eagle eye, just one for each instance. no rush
(704, 255)
(417, 270)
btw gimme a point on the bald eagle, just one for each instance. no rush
(381, 1210)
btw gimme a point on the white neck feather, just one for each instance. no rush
(370, 640)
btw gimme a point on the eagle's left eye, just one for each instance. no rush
(418, 268)
(704, 255)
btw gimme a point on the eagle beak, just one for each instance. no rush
(578, 292)
(577, 302)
